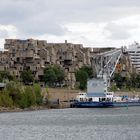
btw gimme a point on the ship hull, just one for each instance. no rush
(104, 104)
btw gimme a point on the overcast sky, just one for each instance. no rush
(93, 23)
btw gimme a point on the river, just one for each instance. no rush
(72, 124)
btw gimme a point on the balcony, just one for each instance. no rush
(26, 54)
(40, 72)
(68, 62)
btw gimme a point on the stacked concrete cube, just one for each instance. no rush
(38, 54)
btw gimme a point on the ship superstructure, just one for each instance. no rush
(104, 66)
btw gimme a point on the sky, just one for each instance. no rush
(93, 23)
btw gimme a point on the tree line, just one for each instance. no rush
(16, 94)
(131, 81)
(53, 76)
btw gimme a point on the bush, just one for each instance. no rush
(21, 96)
(113, 87)
(24, 101)
(27, 98)
(14, 90)
(37, 92)
(5, 100)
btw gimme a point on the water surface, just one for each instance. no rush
(72, 124)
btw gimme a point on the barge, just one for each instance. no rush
(88, 104)
(98, 96)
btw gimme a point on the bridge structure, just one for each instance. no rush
(104, 64)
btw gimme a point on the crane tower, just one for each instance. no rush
(104, 64)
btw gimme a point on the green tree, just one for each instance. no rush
(81, 77)
(119, 80)
(15, 94)
(49, 76)
(137, 81)
(133, 80)
(53, 75)
(5, 75)
(128, 83)
(37, 93)
(27, 76)
(14, 89)
(89, 71)
(59, 74)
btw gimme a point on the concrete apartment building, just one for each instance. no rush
(38, 54)
(134, 52)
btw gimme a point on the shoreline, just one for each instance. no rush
(33, 108)
(16, 109)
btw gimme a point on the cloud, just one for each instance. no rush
(52, 13)
(7, 31)
(92, 22)
(38, 27)
(3, 33)
(117, 32)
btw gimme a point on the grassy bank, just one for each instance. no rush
(16, 95)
